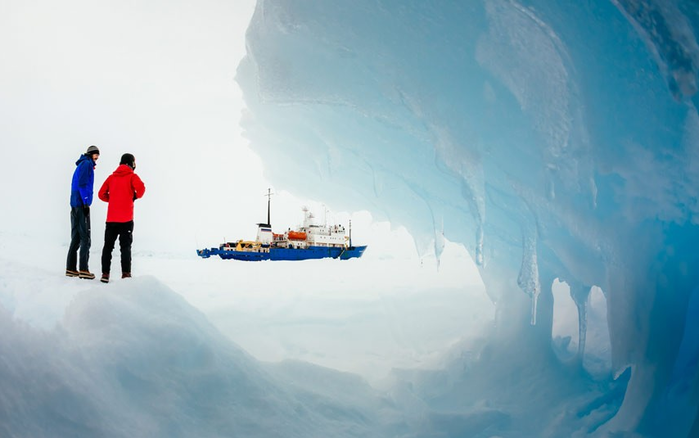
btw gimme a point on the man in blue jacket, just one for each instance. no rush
(80, 201)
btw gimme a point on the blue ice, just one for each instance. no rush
(554, 141)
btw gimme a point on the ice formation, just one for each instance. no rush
(138, 360)
(552, 140)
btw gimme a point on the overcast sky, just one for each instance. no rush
(155, 79)
(152, 78)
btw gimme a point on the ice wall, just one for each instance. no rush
(553, 141)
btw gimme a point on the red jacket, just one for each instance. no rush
(120, 190)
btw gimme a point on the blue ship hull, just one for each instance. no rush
(312, 252)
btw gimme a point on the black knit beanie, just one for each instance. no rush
(129, 160)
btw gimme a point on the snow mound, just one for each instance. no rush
(133, 358)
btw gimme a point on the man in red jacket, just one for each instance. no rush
(120, 190)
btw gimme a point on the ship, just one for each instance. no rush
(310, 241)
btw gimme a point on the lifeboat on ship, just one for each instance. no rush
(296, 235)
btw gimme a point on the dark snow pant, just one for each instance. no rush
(124, 231)
(79, 238)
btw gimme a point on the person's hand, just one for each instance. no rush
(86, 210)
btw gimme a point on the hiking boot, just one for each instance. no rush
(86, 275)
(126, 275)
(105, 278)
(71, 273)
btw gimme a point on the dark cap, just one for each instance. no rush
(129, 160)
(92, 150)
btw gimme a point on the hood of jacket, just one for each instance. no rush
(84, 158)
(123, 170)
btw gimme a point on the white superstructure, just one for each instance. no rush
(264, 234)
(322, 235)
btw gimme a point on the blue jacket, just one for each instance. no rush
(83, 180)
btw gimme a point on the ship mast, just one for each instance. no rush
(269, 199)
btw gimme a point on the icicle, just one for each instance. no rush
(528, 279)
(580, 294)
(423, 242)
(479, 246)
(439, 243)
(535, 301)
(473, 191)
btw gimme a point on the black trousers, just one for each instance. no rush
(124, 231)
(79, 238)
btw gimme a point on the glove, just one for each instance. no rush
(86, 210)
